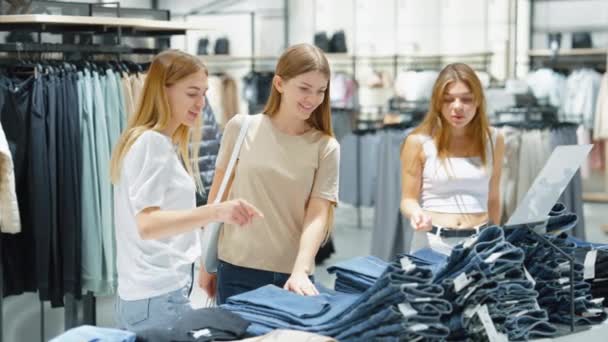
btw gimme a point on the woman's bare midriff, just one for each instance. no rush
(461, 221)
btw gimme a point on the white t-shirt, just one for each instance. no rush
(152, 175)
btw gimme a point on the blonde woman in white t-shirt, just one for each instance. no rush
(156, 218)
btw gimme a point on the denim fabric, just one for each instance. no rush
(358, 274)
(163, 310)
(347, 316)
(552, 271)
(91, 333)
(431, 256)
(497, 279)
(233, 280)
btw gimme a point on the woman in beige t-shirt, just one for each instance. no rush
(288, 168)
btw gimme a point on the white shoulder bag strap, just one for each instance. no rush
(233, 158)
(211, 232)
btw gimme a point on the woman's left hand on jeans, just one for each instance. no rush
(300, 283)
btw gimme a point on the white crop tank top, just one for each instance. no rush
(457, 185)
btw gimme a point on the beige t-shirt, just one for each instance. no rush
(277, 173)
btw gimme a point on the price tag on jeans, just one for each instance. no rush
(564, 266)
(461, 282)
(407, 310)
(593, 312)
(471, 290)
(563, 280)
(422, 300)
(529, 276)
(471, 310)
(598, 300)
(590, 258)
(407, 265)
(494, 256)
(521, 313)
(488, 325)
(200, 333)
(418, 327)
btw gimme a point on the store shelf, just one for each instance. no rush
(229, 58)
(412, 55)
(595, 197)
(571, 52)
(62, 23)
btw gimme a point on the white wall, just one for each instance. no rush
(568, 17)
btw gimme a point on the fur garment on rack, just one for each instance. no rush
(10, 221)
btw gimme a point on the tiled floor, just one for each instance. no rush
(22, 318)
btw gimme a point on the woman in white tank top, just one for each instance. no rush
(451, 164)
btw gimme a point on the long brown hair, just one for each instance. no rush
(435, 125)
(153, 112)
(297, 60)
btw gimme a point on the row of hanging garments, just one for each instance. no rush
(576, 95)
(531, 134)
(61, 121)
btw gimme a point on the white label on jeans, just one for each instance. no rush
(590, 258)
(598, 300)
(521, 313)
(593, 312)
(422, 300)
(461, 282)
(563, 280)
(419, 327)
(407, 265)
(200, 333)
(471, 310)
(410, 285)
(494, 256)
(529, 276)
(407, 310)
(488, 325)
(471, 290)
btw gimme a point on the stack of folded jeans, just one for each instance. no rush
(358, 274)
(487, 270)
(597, 277)
(561, 220)
(551, 272)
(401, 304)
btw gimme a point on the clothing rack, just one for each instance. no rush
(85, 26)
(566, 61)
(528, 114)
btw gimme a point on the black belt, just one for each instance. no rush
(456, 232)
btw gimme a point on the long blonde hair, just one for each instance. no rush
(435, 125)
(154, 113)
(297, 60)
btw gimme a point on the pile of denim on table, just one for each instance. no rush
(358, 274)
(487, 270)
(551, 270)
(401, 305)
(597, 275)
